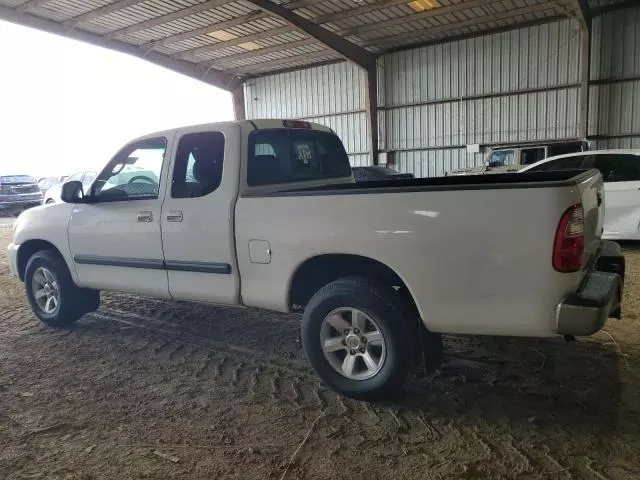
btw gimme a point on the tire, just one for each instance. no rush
(72, 301)
(384, 310)
(49, 201)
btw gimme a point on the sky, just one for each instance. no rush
(67, 106)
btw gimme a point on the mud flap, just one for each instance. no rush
(611, 260)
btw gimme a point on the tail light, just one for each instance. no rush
(568, 246)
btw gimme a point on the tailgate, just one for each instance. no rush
(592, 199)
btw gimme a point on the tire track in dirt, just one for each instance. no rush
(250, 375)
(283, 384)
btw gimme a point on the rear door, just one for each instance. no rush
(197, 217)
(621, 174)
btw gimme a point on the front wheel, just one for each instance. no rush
(54, 297)
(358, 338)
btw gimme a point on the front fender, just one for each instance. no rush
(48, 223)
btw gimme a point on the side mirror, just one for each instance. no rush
(72, 192)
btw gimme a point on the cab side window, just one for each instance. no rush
(198, 167)
(133, 174)
(502, 158)
(618, 167)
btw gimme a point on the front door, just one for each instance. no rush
(115, 237)
(198, 217)
(621, 174)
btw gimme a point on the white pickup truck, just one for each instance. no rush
(266, 214)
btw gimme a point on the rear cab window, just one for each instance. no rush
(280, 156)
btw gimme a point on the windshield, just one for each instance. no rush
(17, 179)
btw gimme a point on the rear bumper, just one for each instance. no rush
(598, 298)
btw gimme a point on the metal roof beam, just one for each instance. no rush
(259, 52)
(279, 31)
(234, 22)
(169, 17)
(236, 41)
(185, 12)
(335, 16)
(248, 38)
(222, 80)
(307, 57)
(414, 17)
(344, 48)
(30, 4)
(582, 12)
(418, 35)
(99, 12)
(332, 17)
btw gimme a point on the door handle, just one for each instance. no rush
(145, 217)
(174, 216)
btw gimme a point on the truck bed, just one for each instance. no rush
(475, 252)
(562, 178)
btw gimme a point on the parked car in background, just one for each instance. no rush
(17, 193)
(620, 171)
(46, 183)
(511, 159)
(52, 195)
(377, 268)
(377, 172)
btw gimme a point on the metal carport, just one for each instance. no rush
(230, 44)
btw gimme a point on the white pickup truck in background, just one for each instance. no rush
(267, 214)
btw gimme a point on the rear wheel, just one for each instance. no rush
(54, 297)
(358, 338)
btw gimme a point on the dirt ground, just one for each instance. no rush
(148, 389)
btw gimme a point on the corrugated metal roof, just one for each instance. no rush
(232, 34)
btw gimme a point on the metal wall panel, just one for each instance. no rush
(515, 86)
(625, 142)
(615, 45)
(614, 102)
(333, 95)
(614, 109)
(514, 118)
(330, 89)
(540, 56)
